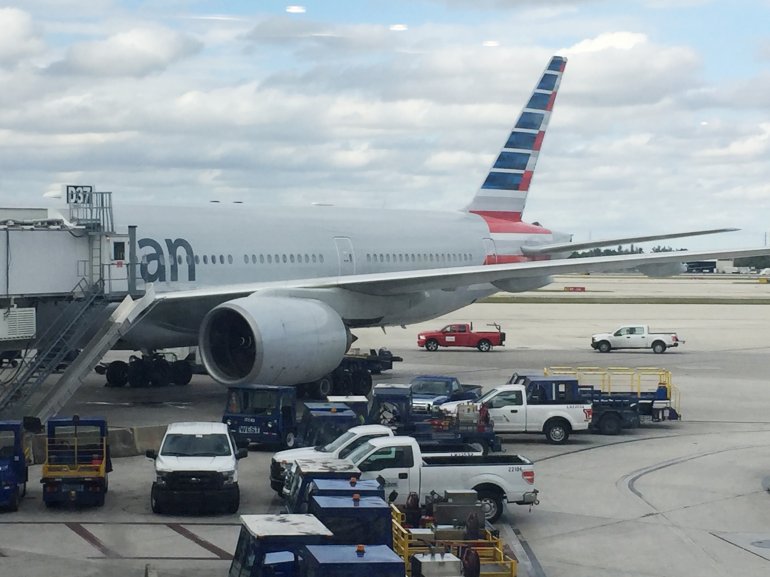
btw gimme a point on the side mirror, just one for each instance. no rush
(241, 453)
(151, 454)
(393, 496)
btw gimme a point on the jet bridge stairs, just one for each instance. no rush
(32, 392)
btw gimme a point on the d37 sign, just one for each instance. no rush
(79, 194)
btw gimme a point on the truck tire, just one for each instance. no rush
(155, 500)
(484, 346)
(233, 502)
(117, 374)
(556, 431)
(658, 347)
(431, 345)
(604, 347)
(610, 425)
(491, 504)
(289, 440)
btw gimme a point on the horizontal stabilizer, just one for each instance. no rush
(573, 246)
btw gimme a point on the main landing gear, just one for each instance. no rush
(153, 370)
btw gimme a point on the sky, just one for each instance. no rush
(662, 122)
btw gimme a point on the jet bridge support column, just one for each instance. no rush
(132, 261)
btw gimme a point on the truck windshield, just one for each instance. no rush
(486, 396)
(426, 387)
(177, 445)
(336, 443)
(7, 444)
(360, 452)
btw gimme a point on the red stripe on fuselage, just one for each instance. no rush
(497, 221)
(498, 214)
(509, 258)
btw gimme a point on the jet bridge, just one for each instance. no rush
(59, 272)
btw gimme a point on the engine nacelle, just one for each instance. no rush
(272, 340)
(519, 285)
(663, 269)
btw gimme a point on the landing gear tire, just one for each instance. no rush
(117, 374)
(137, 373)
(491, 505)
(484, 346)
(159, 372)
(322, 388)
(181, 373)
(431, 345)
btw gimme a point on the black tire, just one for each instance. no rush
(137, 374)
(481, 447)
(100, 500)
(556, 431)
(604, 347)
(155, 500)
(117, 374)
(658, 347)
(431, 345)
(484, 346)
(181, 373)
(159, 372)
(13, 503)
(234, 502)
(323, 387)
(491, 505)
(289, 440)
(610, 425)
(362, 383)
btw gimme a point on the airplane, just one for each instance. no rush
(272, 295)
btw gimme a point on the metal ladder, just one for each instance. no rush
(57, 344)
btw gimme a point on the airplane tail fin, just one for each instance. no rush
(504, 192)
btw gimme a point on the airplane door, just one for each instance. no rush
(115, 264)
(345, 255)
(490, 250)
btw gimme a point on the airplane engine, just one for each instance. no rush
(663, 269)
(518, 285)
(272, 340)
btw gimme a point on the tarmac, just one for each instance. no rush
(677, 498)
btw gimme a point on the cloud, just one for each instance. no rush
(19, 38)
(136, 52)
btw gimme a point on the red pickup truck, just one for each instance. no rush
(461, 335)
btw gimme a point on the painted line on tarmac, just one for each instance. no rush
(525, 556)
(93, 540)
(210, 547)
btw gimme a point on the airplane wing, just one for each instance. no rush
(404, 282)
(573, 246)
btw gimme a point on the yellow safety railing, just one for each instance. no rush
(636, 380)
(70, 456)
(494, 561)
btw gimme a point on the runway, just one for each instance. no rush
(670, 499)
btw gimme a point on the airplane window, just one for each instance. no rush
(382, 258)
(213, 259)
(205, 259)
(277, 259)
(270, 259)
(284, 258)
(299, 258)
(313, 256)
(431, 258)
(253, 259)
(320, 258)
(221, 259)
(291, 257)
(229, 259)
(246, 259)
(412, 257)
(307, 259)
(197, 259)
(179, 259)
(261, 259)
(387, 257)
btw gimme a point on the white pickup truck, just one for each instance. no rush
(512, 411)
(339, 448)
(635, 337)
(399, 462)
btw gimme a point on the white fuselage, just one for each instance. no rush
(225, 244)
